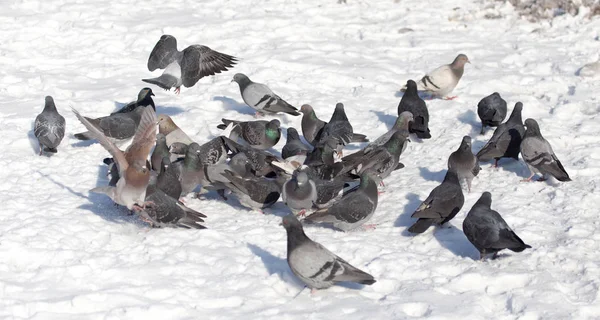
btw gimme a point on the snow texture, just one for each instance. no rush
(69, 254)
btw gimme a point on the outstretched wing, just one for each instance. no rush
(164, 52)
(144, 137)
(200, 61)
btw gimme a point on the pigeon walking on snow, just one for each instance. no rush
(312, 127)
(463, 162)
(506, 140)
(353, 209)
(412, 103)
(441, 81)
(442, 204)
(539, 156)
(144, 99)
(185, 67)
(338, 128)
(49, 127)
(491, 111)
(313, 264)
(261, 98)
(487, 231)
(299, 193)
(258, 134)
(134, 168)
(165, 211)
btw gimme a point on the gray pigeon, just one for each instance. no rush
(191, 173)
(49, 127)
(160, 152)
(322, 161)
(538, 155)
(162, 210)
(144, 99)
(442, 204)
(299, 193)
(258, 134)
(353, 209)
(412, 103)
(261, 98)
(487, 231)
(259, 160)
(506, 140)
(463, 162)
(441, 81)
(168, 180)
(177, 148)
(185, 67)
(338, 128)
(328, 190)
(117, 127)
(312, 127)
(313, 264)
(294, 146)
(402, 124)
(254, 192)
(491, 110)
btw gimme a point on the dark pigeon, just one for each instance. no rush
(539, 156)
(491, 111)
(257, 134)
(312, 127)
(116, 127)
(49, 127)
(162, 211)
(506, 140)
(144, 99)
(254, 192)
(294, 146)
(414, 104)
(160, 152)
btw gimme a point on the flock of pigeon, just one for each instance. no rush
(315, 180)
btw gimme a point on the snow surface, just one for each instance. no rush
(68, 254)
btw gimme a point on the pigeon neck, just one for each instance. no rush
(272, 133)
(339, 115)
(50, 106)
(292, 136)
(191, 161)
(515, 117)
(484, 202)
(243, 82)
(296, 237)
(451, 177)
(457, 70)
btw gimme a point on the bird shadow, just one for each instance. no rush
(432, 175)
(84, 143)
(514, 166)
(273, 264)
(470, 117)
(453, 239)
(231, 104)
(388, 119)
(404, 219)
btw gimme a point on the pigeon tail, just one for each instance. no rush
(422, 134)
(165, 81)
(420, 226)
(557, 170)
(358, 137)
(83, 136)
(51, 150)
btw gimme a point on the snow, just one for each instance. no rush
(69, 254)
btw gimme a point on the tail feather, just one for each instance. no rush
(51, 150)
(421, 225)
(319, 216)
(358, 137)
(557, 170)
(165, 81)
(353, 274)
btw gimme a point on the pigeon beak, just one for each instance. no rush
(152, 94)
(468, 61)
(231, 81)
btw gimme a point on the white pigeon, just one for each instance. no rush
(441, 81)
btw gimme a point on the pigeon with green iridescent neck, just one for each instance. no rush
(258, 134)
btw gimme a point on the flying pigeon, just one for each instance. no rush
(49, 127)
(441, 81)
(258, 134)
(442, 204)
(412, 103)
(353, 209)
(313, 264)
(294, 146)
(488, 232)
(144, 99)
(134, 169)
(171, 131)
(538, 155)
(165, 211)
(463, 162)
(491, 111)
(185, 67)
(312, 127)
(506, 140)
(299, 193)
(261, 98)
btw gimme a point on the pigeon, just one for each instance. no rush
(313, 264)
(49, 127)
(257, 134)
(254, 192)
(168, 179)
(178, 148)
(118, 128)
(261, 98)
(185, 67)
(294, 146)
(171, 131)
(412, 103)
(312, 127)
(442, 204)
(191, 169)
(321, 159)
(441, 81)
(538, 155)
(299, 193)
(338, 128)
(113, 171)
(134, 169)
(258, 160)
(487, 231)
(463, 162)
(491, 110)
(506, 140)
(353, 209)
(144, 99)
(160, 152)
(402, 124)
(165, 211)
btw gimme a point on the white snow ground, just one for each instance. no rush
(68, 254)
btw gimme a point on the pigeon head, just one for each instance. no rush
(290, 222)
(307, 109)
(466, 143)
(192, 156)
(238, 164)
(177, 147)
(515, 116)
(301, 178)
(240, 78)
(460, 61)
(49, 104)
(166, 124)
(532, 127)
(403, 120)
(484, 200)
(161, 137)
(145, 94)
(292, 134)
(339, 106)
(272, 129)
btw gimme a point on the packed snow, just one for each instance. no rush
(70, 254)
